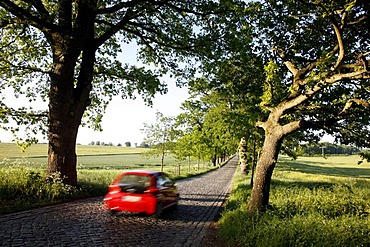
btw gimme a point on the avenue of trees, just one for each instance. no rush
(275, 73)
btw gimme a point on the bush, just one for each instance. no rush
(22, 187)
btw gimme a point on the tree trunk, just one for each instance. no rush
(66, 107)
(214, 159)
(254, 158)
(265, 167)
(62, 157)
(162, 159)
(189, 167)
(274, 136)
(243, 158)
(68, 98)
(64, 120)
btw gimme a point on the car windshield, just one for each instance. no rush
(140, 182)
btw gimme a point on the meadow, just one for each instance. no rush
(313, 202)
(88, 157)
(22, 175)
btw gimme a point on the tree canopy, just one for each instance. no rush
(67, 53)
(299, 69)
(317, 75)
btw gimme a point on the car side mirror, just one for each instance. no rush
(168, 184)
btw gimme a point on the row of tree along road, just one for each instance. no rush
(274, 72)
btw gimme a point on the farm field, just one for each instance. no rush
(88, 157)
(11, 150)
(332, 166)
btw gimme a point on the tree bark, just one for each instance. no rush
(254, 158)
(68, 98)
(274, 136)
(162, 157)
(62, 157)
(243, 157)
(265, 167)
(63, 125)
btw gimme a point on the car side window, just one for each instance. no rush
(163, 180)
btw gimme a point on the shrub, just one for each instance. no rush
(22, 187)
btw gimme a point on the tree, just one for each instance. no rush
(160, 136)
(203, 134)
(128, 144)
(231, 82)
(66, 53)
(144, 145)
(243, 160)
(192, 140)
(317, 76)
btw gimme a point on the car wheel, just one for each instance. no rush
(177, 200)
(176, 203)
(111, 212)
(158, 210)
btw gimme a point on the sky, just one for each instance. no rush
(124, 118)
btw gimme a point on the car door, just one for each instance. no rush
(166, 187)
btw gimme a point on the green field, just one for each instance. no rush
(11, 150)
(332, 166)
(313, 202)
(88, 157)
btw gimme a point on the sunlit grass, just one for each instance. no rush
(313, 202)
(11, 150)
(89, 157)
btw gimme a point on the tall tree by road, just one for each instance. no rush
(317, 76)
(66, 52)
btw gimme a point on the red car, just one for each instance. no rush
(141, 191)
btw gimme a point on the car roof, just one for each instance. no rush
(141, 172)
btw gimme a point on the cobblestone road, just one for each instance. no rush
(85, 222)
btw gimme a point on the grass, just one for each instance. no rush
(313, 202)
(88, 157)
(23, 185)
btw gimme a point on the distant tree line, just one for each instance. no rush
(328, 148)
(127, 144)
